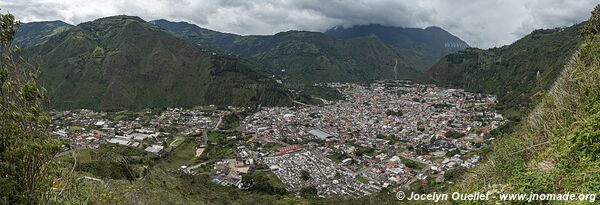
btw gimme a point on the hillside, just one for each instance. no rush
(309, 57)
(123, 62)
(556, 149)
(422, 46)
(517, 73)
(34, 33)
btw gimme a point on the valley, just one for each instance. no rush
(333, 104)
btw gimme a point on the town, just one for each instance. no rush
(382, 135)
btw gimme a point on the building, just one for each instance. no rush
(320, 134)
(118, 140)
(156, 149)
(286, 149)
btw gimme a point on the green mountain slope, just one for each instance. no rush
(556, 149)
(421, 47)
(314, 57)
(33, 33)
(310, 57)
(124, 62)
(516, 73)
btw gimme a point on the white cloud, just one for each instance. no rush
(484, 23)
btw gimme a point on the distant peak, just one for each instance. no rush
(119, 18)
(56, 22)
(434, 28)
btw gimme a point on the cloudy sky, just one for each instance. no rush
(482, 23)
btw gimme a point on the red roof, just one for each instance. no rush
(286, 149)
(391, 164)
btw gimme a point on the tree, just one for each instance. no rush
(308, 192)
(397, 113)
(592, 27)
(304, 175)
(454, 134)
(259, 182)
(26, 148)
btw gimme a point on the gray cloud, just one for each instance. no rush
(484, 23)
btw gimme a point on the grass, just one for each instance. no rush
(273, 180)
(214, 137)
(75, 128)
(362, 179)
(84, 155)
(218, 147)
(411, 163)
(119, 117)
(184, 154)
(338, 156)
(272, 146)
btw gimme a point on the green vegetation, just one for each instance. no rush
(394, 113)
(555, 149)
(454, 134)
(362, 179)
(518, 74)
(264, 182)
(411, 163)
(308, 192)
(322, 92)
(454, 174)
(271, 146)
(233, 120)
(30, 34)
(112, 161)
(316, 94)
(26, 148)
(176, 141)
(218, 147)
(183, 154)
(361, 150)
(75, 128)
(338, 156)
(304, 175)
(452, 152)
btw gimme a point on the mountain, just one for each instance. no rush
(33, 33)
(123, 62)
(517, 73)
(309, 57)
(556, 149)
(423, 46)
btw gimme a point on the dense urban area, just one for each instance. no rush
(383, 135)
